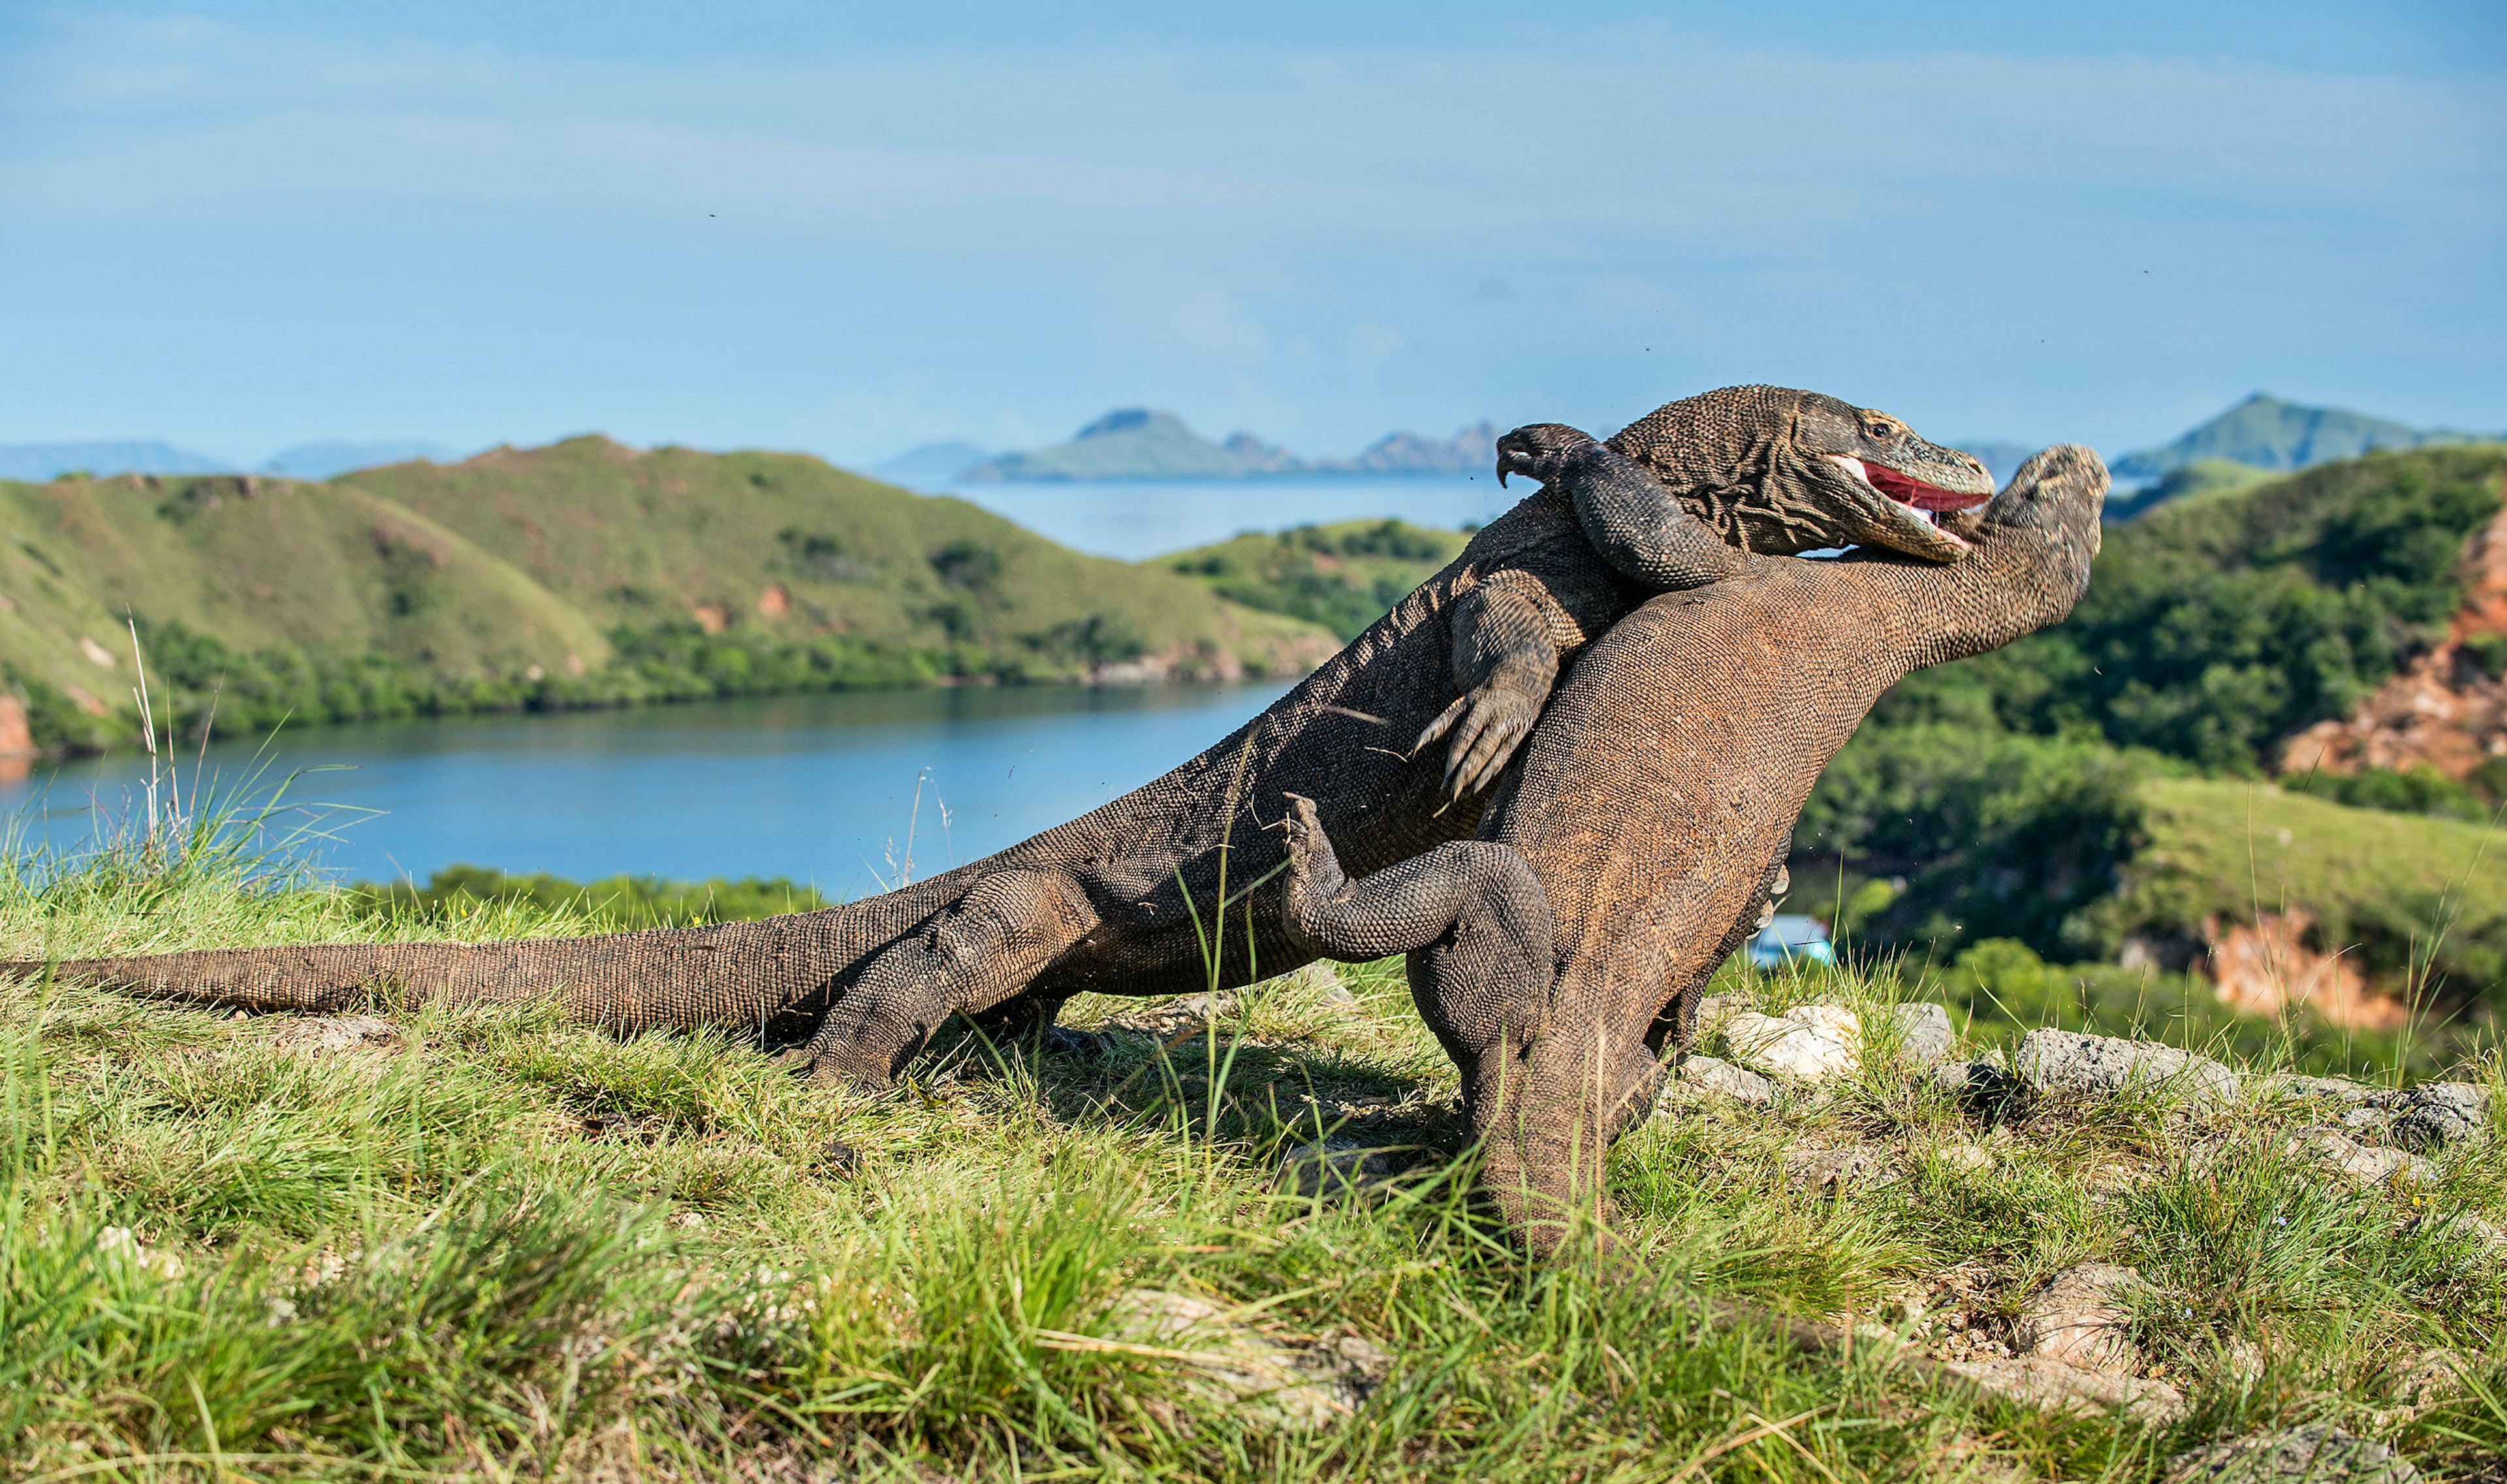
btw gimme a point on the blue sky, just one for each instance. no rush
(853, 229)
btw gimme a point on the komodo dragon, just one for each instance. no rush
(1122, 899)
(1639, 837)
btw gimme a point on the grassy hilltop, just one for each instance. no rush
(582, 573)
(1343, 576)
(487, 1243)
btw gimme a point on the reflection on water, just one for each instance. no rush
(1135, 520)
(821, 788)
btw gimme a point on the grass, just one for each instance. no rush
(511, 1246)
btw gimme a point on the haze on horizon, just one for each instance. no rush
(238, 226)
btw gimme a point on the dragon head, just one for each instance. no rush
(1881, 484)
(1783, 471)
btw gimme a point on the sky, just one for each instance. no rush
(851, 230)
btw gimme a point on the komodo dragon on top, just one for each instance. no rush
(1122, 899)
(1638, 841)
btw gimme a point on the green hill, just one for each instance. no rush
(2048, 792)
(582, 573)
(2266, 433)
(2187, 482)
(1343, 576)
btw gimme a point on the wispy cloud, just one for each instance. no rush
(1186, 212)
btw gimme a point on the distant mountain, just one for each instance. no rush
(331, 459)
(1137, 443)
(933, 464)
(2267, 433)
(1473, 449)
(39, 462)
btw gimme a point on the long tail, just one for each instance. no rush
(741, 976)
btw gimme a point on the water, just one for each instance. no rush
(821, 789)
(1135, 520)
(817, 788)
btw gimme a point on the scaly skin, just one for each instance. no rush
(1638, 840)
(1119, 900)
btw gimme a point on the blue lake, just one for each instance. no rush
(1138, 519)
(821, 789)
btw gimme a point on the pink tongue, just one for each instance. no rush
(1914, 491)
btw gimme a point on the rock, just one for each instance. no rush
(122, 1245)
(1700, 1078)
(2068, 1063)
(2242, 1360)
(2433, 1375)
(2334, 1089)
(2044, 1382)
(2318, 1452)
(1838, 1170)
(1294, 1384)
(2436, 1114)
(1336, 1167)
(1080, 1045)
(2078, 1318)
(1924, 1037)
(1807, 1044)
(1713, 1010)
(2363, 1164)
(317, 1035)
(2367, 1120)
(1974, 1078)
(1318, 980)
(1965, 1158)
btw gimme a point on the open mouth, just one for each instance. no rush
(1925, 500)
(1907, 490)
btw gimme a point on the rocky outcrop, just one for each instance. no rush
(2265, 967)
(2448, 709)
(2070, 1063)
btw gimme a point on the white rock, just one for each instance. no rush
(1297, 1386)
(1803, 1046)
(1701, 1079)
(2078, 1318)
(315, 1035)
(2362, 1163)
(2044, 1382)
(1964, 1157)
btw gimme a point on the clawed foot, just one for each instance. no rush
(828, 1067)
(1488, 725)
(1312, 865)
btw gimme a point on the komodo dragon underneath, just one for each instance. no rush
(1122, 899)
(1639, 837)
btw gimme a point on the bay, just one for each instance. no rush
(1135, 520)
(831, 792)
